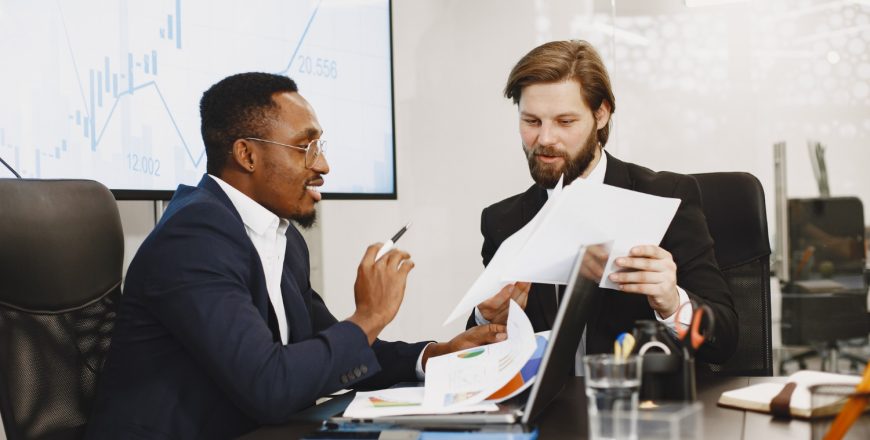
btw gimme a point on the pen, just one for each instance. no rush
(623, 345)
(391, 242)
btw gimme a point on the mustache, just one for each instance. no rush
(546, 150)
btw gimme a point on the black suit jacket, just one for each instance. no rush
(687, 239)
(196, 350)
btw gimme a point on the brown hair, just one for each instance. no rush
(560, 60)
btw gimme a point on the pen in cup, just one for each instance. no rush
(392, 242)
(623, 345)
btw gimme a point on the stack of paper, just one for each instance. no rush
(402, 402)
(470, 376)
(465, 381)
(582, 213)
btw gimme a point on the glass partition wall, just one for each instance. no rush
(710, 85)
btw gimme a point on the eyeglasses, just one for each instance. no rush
(312, 150)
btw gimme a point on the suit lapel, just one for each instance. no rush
(296, 308)
(534, 200)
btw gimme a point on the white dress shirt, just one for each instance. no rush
(597, 176)
(267, 231)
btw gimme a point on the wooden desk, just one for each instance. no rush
(566, 416)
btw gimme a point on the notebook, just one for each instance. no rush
(794, 394)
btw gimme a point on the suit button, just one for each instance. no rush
(343, 378)
(357, 372)
(364, 369)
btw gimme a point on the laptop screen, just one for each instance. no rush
(574, 312)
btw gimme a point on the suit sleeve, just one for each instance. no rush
(398, 360)
(689, 241)
(204, 300)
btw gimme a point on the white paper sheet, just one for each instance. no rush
(587, 213)
(468, 377)
(491, 280)
(581, 213)
(402, 402)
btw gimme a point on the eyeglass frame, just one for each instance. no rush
(321, 147)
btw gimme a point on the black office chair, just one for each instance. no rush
(824, 305)
(733, 203)
(61, 256)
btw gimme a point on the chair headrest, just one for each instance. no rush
(733, 203)
(62, 244)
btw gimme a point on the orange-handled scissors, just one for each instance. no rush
(699, 328)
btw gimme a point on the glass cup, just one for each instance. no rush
(828, 398)
(612, 392)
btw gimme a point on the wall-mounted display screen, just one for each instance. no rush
(110, 90)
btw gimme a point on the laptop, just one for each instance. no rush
(555, 370)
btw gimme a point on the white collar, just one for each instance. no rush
(597, 174)
(254, 215)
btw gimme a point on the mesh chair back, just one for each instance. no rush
(60, 276)
(733, 204)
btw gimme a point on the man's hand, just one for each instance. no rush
(379, 289)
(495, 309)
(594, 260)
(473, 337)
(655, 276)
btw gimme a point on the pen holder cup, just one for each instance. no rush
(668, 377)
(668, 371)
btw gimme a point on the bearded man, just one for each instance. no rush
(565, 102)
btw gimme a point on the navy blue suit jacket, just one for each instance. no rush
(195, 352)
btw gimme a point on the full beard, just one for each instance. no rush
(548, 175)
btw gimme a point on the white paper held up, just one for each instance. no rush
(490, 281)
(587, 213)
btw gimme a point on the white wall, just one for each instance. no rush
(457, 151)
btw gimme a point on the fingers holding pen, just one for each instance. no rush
(396, 258)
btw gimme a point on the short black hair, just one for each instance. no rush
(238, 106)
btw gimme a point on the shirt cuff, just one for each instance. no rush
(478, 318)
(685, 312)
(420, 373)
